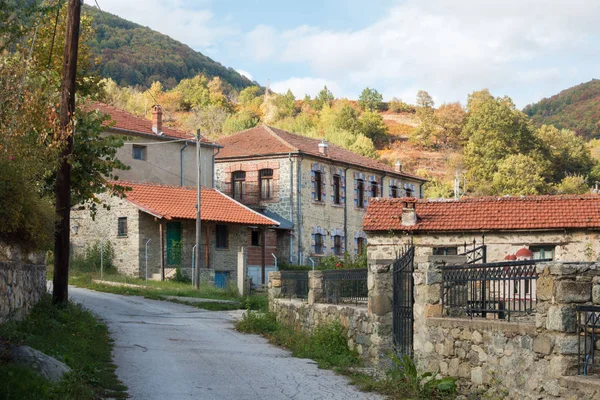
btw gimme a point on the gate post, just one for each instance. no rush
(315, 286)
(379, 281)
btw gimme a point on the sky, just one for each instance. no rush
(525, 49)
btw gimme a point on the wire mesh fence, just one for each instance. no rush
(294, 284)
(345, 286)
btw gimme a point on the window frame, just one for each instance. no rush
(319, 243)
(255, 234)
(238, 178)
(394, 192)
(360, 245)
(445, 250)
(360, 188)
(337, 190)
(409, 192)
(142, 151)
(374, 189)
(221, 229)
(122, 228)
(318, 186)
(338, 245)
(265, 176)
(542, 249)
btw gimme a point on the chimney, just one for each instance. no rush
(398, 166)
(324, 148)
(157, 119)
(409, 214)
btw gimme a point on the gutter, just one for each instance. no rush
(346, 207)
(299, 205)
(181, 158)
(213, 165)
(291, 203)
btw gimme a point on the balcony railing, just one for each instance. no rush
(250, 193)
(345, 286)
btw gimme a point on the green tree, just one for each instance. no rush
(286, 105)
(239, 122)
(373, 127)
(324, 97)
(424, 100)
(424, 133)
(519, 174)
(573, 184)
(396, 105)
(450, 118)
(370, 100)
(195, 92)
(364, 146)
(495, 131)
(438, 189)
(209, 120)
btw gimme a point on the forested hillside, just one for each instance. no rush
(576, 108)
(131, 55)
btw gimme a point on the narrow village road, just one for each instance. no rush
(170, 351)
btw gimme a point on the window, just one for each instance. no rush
(360, 188)
(318, 243)
(445, 251)
(337, 188)
(542, 252)
(222, 237)
(266, 183)
(255, 239)
(238, 183)
(360, 245)
(374, 189)
(139, 152)
(318, 186)
(409, 192)
(122, 226)
(394, 192)
(337, 245)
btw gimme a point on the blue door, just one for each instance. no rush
(221, 279)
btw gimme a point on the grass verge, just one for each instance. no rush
(71, 335)
(327, 345)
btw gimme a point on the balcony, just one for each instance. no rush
(250, 193)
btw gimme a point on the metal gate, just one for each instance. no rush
(403, 302)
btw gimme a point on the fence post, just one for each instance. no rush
(242, 270)
(315, 286)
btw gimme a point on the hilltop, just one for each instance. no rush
(132, 55)
(576, 108)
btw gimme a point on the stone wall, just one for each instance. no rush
(305, 315)
(22, 283)
(519, 360)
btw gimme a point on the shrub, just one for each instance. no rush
(90, 259)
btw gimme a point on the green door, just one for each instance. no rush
(174, 243)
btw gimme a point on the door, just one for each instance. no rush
(403, 318)
(174, 247)
(221, 279)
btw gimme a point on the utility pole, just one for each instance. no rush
(198, 199)
(62, 234)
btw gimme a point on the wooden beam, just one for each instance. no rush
(162, 250)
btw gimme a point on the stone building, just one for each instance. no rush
(319, 190)
(562, 228)
(166, 216)
(161, 206)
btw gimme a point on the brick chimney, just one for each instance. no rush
(398, 166)
(157, 119)
(409, 214)
(324, 148)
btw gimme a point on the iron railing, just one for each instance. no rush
(588, 331)
(251, 193)
(495, 290)
(403, 313)
(345, 286)
(477, 254)
(294, 284)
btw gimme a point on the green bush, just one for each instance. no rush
(90, 259)
(259, 323)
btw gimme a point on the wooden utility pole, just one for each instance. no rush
(62, 236)
(198, 214)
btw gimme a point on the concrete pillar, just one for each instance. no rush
(315, 287)
(242, 270)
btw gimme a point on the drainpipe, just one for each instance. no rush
(299, 206)
(421, 190)
(291, 202)
(213, 166)
(181, 157)
(345, 208)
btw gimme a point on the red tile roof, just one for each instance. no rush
(265, 140)
(132, 123)
(487, 214)
(177, 202)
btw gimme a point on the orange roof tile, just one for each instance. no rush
(265, 140)
(132, 123)
(487, 214)
(179, 202)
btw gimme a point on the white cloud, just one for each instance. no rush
(181, 20)
(261, 42)
(448, 47)
(245, 73)
(306, 86)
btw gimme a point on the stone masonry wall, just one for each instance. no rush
(22, 283)
(306, 315)
(518, 360)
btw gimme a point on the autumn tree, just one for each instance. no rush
(373, 127)
(573, 184)
(370, 100)
(518, 174)
(423, 134)
(450, 118)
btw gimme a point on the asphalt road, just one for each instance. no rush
(171, 351)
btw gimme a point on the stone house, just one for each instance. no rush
(319, 190)
(562, 228)
(161, 205)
